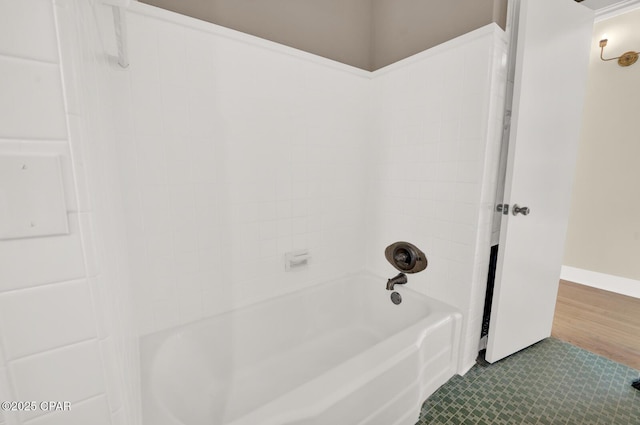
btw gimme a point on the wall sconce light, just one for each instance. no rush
(627, 58)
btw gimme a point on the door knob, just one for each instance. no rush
(522, 210)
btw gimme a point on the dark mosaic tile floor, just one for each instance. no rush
(550, 383)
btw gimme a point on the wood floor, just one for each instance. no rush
(602, 322)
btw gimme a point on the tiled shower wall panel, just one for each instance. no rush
(433, 179)
(235, 151)
(50, 343)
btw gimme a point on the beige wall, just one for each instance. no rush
(402, 28)
(335, 29)
(604, 225)
(367, 34)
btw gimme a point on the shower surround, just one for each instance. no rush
(224, 151)
(236, 150)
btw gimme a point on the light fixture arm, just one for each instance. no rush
(626, 59)
(603, 43)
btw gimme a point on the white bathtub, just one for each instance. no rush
(340, 353)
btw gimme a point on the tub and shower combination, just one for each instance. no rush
(339, 353)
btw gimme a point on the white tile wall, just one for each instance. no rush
(59, 148)
(31, 105)
(241, 154)
(438, 125)
(27, 30)
(37, 261)
(49, 317)
(48, 345)
(72, 373)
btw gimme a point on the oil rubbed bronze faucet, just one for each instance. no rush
(400, 279)
(406, 258)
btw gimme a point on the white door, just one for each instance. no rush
(552, 58)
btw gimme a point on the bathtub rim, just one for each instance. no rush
(315, 284)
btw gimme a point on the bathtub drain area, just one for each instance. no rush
(265, 381)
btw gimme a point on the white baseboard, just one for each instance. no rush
(607, 282)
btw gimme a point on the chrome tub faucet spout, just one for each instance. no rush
(400, 279)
